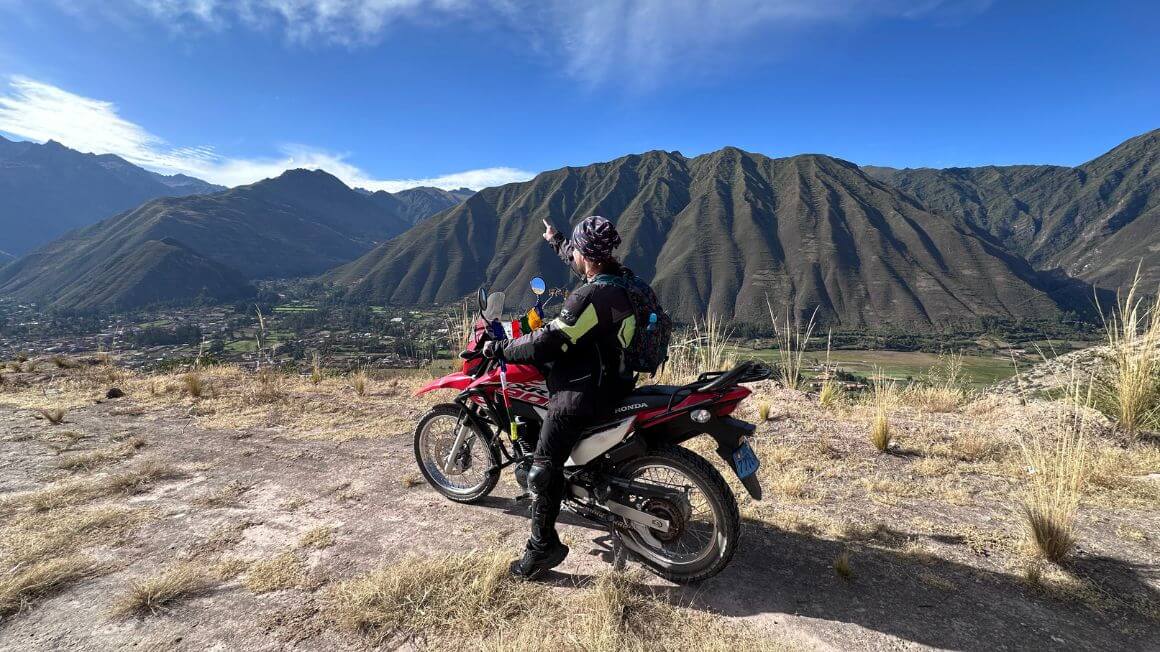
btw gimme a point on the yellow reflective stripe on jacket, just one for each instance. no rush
(584, 323)
(627, 330)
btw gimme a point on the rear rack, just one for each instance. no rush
(746, 371)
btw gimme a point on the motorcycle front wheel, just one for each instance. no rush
(464, 473)
(705, 522)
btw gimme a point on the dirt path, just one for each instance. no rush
(254, 493)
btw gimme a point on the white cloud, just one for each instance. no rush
(38, 111)
(642, 41)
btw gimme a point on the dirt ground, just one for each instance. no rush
(281, 488)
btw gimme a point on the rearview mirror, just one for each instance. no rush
(538, 285)
(481, 298)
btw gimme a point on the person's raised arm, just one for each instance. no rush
(559, 243)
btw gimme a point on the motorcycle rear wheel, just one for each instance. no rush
(470, 480)
(708, 526)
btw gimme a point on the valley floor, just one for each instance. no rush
(277, 492)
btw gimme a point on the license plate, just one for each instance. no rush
(745, 461)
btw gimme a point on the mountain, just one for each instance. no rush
(300, 223)
(723, 232)
(1097, 221)
(46, 190)
(417, 204)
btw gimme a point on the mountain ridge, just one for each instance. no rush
(1097, 221)
(297, 224)
(48, 189)
(719, 232)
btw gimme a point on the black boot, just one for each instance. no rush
(535, 563)
(544, 550)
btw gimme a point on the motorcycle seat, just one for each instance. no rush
(643, 398)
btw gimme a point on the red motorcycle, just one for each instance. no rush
(663, 502)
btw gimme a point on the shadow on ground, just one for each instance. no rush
(934, 602)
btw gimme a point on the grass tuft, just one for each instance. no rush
(793, 339)
(194, 384)
(707, 346)
(1055, 465)
(882, 398)
(156, 595)
(842, 566)
(284, 571)
(20, 585)
(317, 538)
(315, 368)
(102, 456)
(1128, 390)
(359, 382)
(55, 416)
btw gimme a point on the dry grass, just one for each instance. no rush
(102, 456)
(763, 412)
(933, 467)
(882, 399)
(20, 585)
(941, 388)
(412, 480)
(460, 328)
(229, 568)
(842, 566)
(228, 496)
(793, 484)
(470, 602)
(793, 338)
(976, 446)
(33, 538)
(1129, 389)
(194, 384)
(1055, 465)
(315, 369)
(284, 571)
(156, 595)
(705, 347)
(358, 381)
(63, 362)
(55, 416)
(318, 538)
(831, 393)
(74, 492)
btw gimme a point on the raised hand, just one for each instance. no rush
(549, 232)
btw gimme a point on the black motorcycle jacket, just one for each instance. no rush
(582, 350)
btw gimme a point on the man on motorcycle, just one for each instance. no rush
(584, 347)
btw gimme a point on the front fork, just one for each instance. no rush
(462, 430)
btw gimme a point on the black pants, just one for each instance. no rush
(557, 438)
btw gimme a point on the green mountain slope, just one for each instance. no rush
(1097, 221)
(298, 224)
(46, 190)
(414, 205)
(722, 232)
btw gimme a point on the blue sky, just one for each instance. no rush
(390, 93)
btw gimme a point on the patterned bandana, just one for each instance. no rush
(595, 238)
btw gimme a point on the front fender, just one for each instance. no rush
(458, 381)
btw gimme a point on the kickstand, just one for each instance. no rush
(522, 497)
(619, 553)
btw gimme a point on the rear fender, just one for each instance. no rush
(728, 432)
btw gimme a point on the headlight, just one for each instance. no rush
(700, 416)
